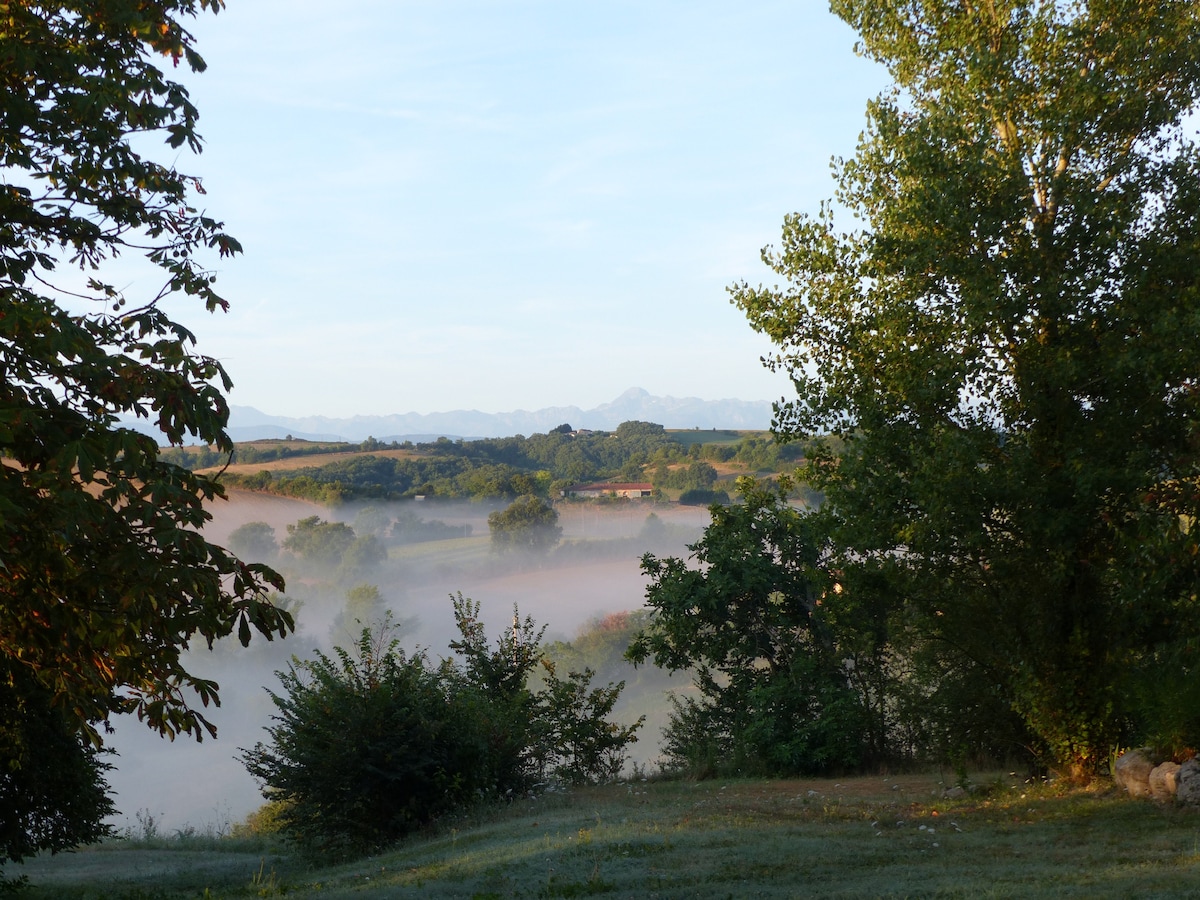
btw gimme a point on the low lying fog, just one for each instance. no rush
(594, 571)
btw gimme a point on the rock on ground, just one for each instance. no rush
(1188, 783)
(1164, 781)
(1132, 772)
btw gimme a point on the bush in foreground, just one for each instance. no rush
(369, 744)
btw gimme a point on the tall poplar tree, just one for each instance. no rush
(1008, 340)
(104, 575)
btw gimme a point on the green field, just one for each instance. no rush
(452, 552)
(687, 437)
(864, 837)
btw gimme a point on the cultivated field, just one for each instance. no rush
(309, 461)
(689, 436)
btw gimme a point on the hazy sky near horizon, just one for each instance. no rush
(470, 204)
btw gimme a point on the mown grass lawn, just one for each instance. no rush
(863, 837)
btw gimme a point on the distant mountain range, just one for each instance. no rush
(248, 424)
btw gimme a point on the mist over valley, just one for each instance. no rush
(593, 572)
(361, 531)
(623, 648)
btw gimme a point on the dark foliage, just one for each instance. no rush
(105, 576)
(370, 744)
(703, 497)
(52, 790)
(1002, 335)
(750, 620)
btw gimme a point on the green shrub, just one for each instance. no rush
(576, 742)
(754, 617)
(266, 821)
(697, 742)
(500, 677)
(703, 497)
(370, 745)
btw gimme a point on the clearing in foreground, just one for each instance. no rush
(862, 837)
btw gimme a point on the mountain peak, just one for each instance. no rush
(246, 423)
(634, 393)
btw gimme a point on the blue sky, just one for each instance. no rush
(500, 206)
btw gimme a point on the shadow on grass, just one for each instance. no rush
(876, 837)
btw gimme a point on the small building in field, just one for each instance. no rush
(632, 490)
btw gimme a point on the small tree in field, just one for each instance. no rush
(254, 540)
(528, 523)
(560, 730)
(318, 541)
(501, 675)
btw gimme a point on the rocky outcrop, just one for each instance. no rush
(1188, 783)
(1141, 774)
(1163, 781)
(1132, 772)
